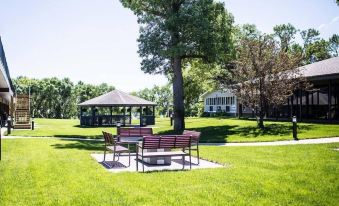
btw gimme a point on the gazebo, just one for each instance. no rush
(116, 107)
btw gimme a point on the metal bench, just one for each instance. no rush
(181, 142)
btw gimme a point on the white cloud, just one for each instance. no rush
(321, 26)
(335, 19)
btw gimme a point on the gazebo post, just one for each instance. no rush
(111, 115)
(140, 116)
(93, 115)
(124, 116)
(80, 116)
(130, 115)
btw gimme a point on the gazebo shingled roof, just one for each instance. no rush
(117, 98)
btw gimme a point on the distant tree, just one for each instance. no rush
(198, 79)
(286, 34)
(263, 74)
(309, 36)
(317, 51)
(57, 98)
(334, 44)
(177, 30)
(161, 95)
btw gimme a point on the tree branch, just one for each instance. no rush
(196, 56)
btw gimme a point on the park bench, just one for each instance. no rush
(195, 141)
(112, 144)
(133, 133)
(179, 142)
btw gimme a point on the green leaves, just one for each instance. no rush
(188, 29)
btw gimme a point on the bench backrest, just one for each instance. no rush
(166, 142)
(109, 139)
(195, 135)
(134, 132)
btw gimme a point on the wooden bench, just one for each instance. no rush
(181, 142)
(195, 141)
(135, 132)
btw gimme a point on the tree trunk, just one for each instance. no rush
(178, 96)
(261, 119)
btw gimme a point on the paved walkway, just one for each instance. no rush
(278, 143)
(275, 143)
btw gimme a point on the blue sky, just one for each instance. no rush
(95, 41)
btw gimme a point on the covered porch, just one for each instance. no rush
(117, 107)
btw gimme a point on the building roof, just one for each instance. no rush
(5, 78)
(326, 67)
(117, 98)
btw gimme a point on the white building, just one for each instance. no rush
(220, 101)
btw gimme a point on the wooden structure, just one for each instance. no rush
(116, 107)
(22, 115)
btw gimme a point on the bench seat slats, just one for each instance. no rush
(162, 154)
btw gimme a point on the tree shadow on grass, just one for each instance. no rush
(209, 134)
(80, 145)
(219, 134)
(270, 129)
(95, 137)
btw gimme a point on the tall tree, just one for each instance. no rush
(317, 51)
(176, 30)
(334, 44)
(286, 34)
(260, 71)
(309, 36)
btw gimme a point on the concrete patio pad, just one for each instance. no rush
(122, 164)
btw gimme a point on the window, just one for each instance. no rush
(211, 108)
(227, 108)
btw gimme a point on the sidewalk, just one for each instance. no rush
(275, 143)
(278, 143)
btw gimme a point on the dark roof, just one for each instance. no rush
(117, 98)
(4, 63)
(322, 68)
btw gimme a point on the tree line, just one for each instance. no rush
(57, 98)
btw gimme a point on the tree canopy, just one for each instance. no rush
(177, 30)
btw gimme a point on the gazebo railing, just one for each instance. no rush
(148, 120)
(104, 120)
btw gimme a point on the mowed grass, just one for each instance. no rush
(213, 129)
(61, 172)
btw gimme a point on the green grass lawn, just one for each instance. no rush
(213, 129)
(61, 172)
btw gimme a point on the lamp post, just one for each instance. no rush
(171, 117)
(32, 123)
(295, 132)
(9, 125)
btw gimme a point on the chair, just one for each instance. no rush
(111, 144)
(195, 141)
